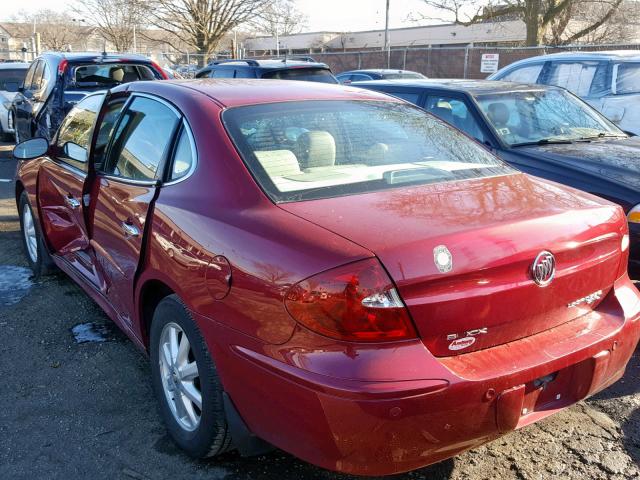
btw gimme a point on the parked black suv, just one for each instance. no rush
(305, 68)
(57, 81)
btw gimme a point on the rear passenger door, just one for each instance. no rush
(124, 190)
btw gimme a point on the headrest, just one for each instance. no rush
(499, 113)
(317, 148)
(278, 163)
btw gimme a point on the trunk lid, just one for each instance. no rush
(493, 228)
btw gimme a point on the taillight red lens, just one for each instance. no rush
(62, 66)
(355, 302)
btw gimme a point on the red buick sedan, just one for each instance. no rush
(328, 270)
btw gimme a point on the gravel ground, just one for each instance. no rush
(78, 410)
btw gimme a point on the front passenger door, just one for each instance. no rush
(123, 193)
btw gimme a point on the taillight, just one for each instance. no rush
(356, 302)
(62, 66)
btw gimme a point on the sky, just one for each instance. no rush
(334, 15)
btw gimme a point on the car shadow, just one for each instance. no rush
(281, 465)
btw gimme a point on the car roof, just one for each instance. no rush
(250, 91)
(270, 64)
(14, 65)
(92, 56)
(473, 87)
(603, 55)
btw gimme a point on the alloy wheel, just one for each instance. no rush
(29, 231)
(180, 377)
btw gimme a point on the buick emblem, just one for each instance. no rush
(544, 268)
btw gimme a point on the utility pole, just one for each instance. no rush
(387, 42)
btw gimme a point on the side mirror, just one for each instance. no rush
(32, 148)
(21, 89)
(75, 152)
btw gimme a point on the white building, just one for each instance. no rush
(491, 33)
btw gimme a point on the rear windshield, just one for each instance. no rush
(11, 79)
(108, 75)
(405, 75)
(320, 149)
(307, 74)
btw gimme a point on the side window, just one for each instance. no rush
(47, 77)
(29, 77)
(141, 140)
(75, 132)
(184, 156)
(244, 73)
(528, 74)
(628, 79)
(455, 112)
(575, 77)
(408, 96)
(203, 74)
(105, 130)
(359, 77)
(223, 73)
(36, 82)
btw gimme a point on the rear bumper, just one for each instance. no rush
(373, 410)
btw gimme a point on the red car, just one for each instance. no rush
(328, 270)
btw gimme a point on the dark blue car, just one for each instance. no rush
(541, 130)
(57, 81)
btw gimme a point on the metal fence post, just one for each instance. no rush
(359, 60)
(404, 59)
(466, 61)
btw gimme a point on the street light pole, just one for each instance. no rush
(387, 42)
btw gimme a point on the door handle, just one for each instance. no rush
(130, 230)
(71, 202)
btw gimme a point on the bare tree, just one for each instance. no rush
(280, 17)
(622, 26)
(114, 20)
(58, 31)
(539, 16)
(200, 25)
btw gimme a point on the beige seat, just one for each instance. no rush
(316, 148)
(278, 163)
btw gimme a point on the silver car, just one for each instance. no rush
(11, 78)
(609, 81)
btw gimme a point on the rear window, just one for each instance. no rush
(11, 79)
(405, 75)
(320, 149)
(307, 74)
(628, 80)
(111, 74)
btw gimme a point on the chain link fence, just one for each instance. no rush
(444, 62)
(434, 62)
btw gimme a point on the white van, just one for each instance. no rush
(609, 81)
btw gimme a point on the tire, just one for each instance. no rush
(37, 255)
(208, 435)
